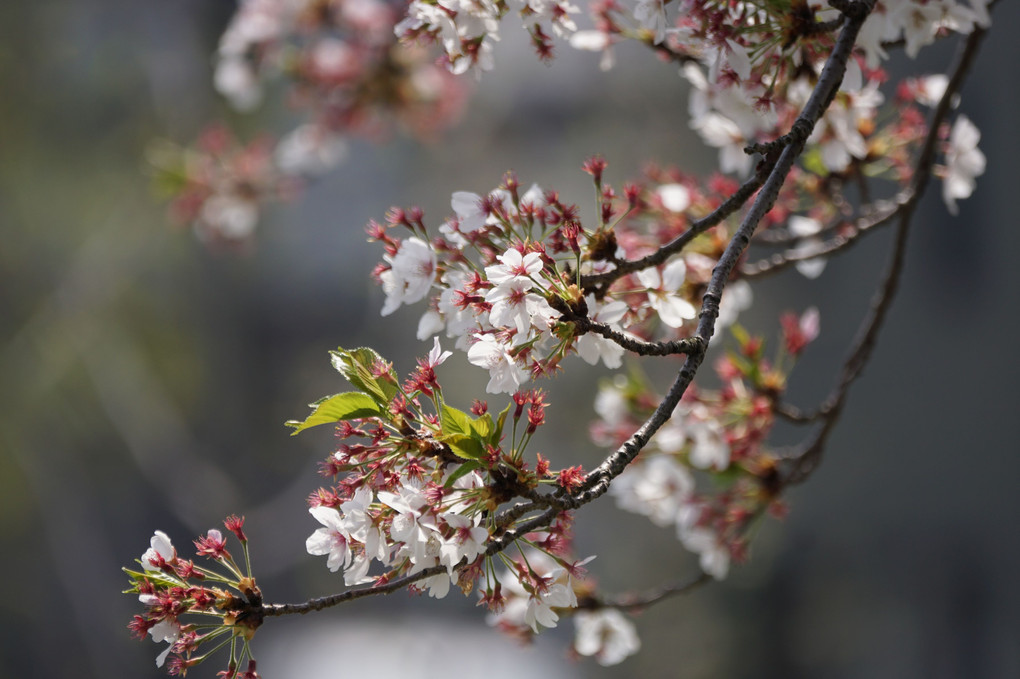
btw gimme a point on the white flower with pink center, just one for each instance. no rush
(332, 540)
(160, 549)
(592, 347)
(505, 376)
(410, 276)
(466, 542)
(673, 309)
(515, 267)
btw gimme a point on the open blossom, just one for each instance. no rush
(414, 525)
(530, 604)
(713, 554)
(409, 278)
(168, 630)
(505, 376)
(606, 634)
(362, 526)
(332, 540)
(160, 550)
(592, 347)
(458, 321)
(657, 488)
(663, 292)
(515, 267)
(542, 602)
(806, 229)
(514, 307)
(467, 541)
(964, 163)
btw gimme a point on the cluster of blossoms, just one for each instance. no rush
(219, 185)
(751, 67)
(426, 496)
(505, 278)
(718, 434)
(600, 632)
(172, 587)
(346, 66)
(418, 485)
(467, 29)
(420, 495)
(346, 70)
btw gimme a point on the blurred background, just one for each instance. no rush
(145, 379)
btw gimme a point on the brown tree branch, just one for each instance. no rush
(637, 600)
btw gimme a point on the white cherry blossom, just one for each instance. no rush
(168, 630)
(332, 540)
(160, 547)
(505, 376)
(673, 309)
(592, 347)
(607, 634)
(656, 488)
(806, 228)
(964, 163)
(467, 541)
(410, 276)
(713, 556)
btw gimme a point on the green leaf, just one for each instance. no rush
(464, 446)
(813, 162)
(350, 405)
(740, 334)
(482, 427)
(454, 421)
(497, 431)
(360, 367)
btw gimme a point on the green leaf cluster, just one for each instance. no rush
(373, 377)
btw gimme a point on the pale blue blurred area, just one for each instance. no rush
(145, 380)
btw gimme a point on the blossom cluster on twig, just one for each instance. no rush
(192, 608)
(426, 496)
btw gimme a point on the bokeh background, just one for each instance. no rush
(144, 380)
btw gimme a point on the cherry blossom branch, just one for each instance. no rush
(883, 213)
(629, 342)
(494, 546)
(596, 482)
(810, 454)
(727, 208)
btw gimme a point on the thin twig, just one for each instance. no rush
(809, 456)
(883, 213)
(638, 600)
(637, 346)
